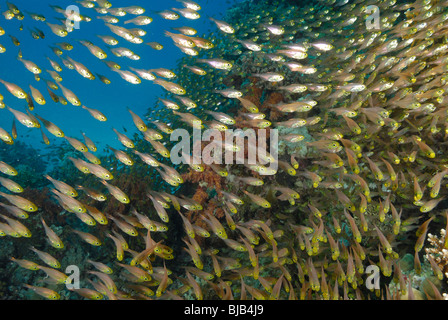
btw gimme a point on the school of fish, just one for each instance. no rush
(363, 125)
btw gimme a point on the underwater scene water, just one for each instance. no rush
(217, 150)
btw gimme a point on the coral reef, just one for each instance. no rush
(358, 180)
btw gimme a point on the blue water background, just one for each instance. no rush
(112, 99)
